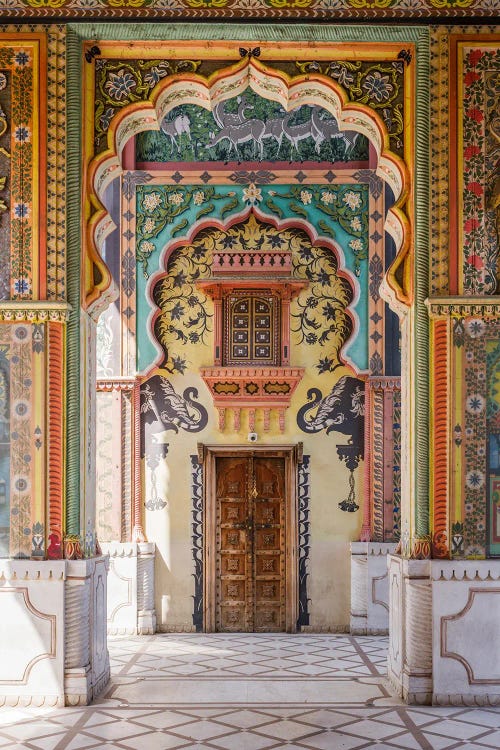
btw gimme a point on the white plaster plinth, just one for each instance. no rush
(466, 632)
(409, 663)
(53, 647)
(370, 587)
(444, 636)
(131, 588)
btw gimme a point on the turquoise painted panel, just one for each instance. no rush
(338, 213)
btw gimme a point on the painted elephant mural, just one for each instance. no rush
(342, 410)
(165, 409)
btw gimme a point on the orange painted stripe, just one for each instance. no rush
(56, 439)
(440, 441)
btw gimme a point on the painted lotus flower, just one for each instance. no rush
(474, 479)
(377, 86)
(120, 84)
(22, 134)
(176, 198)
(475, 403)
(151, 201)
(475, 327)
(149, 225)
(305, 197)
(475, 114)
(341, 73)
(21, 58)
(252, 194)
(352, 200)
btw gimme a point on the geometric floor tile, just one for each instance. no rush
(249, 692)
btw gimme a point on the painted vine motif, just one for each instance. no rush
(493, 463)
(249, 128)
(121, 82)
(17, 347)
(320, 312)
(379, 85)
(5, 449)
(303, 491)
(396, 468)
(197, 540)
(160, 206)
(479, 157)
(259, 9)
(347, 205)
(185, 316)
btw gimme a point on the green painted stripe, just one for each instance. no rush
(246, 32)
(73, 252)
(422, 252)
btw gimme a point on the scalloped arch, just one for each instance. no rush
(291, 93)
(279, 224)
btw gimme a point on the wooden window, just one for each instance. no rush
(251, 328)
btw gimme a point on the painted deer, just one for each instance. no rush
(274, 129)
(174, 128)
(300, 132)
(223, 118)
(251, 130)
(325, 130)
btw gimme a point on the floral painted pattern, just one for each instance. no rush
(348, 205)
(379, 85)
(478, 339)
(319, 315)
(479, 154)
(19, 238)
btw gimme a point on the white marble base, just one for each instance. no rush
(131, 588)
(444, 636)
(466, 632)
(53, 648)
(370, 588)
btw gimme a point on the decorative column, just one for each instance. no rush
(381, 510)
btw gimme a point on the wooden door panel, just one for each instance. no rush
(233, 565)
(232, 540)
(250, 535)
(268, 591)
(266, 566)
(232, 512)
(233, 591)
(269, 543)
(233, 618)
(268, 619)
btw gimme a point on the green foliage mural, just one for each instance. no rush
(249, 128)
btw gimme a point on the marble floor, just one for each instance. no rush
(249, 692)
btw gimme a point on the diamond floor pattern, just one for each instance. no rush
(249, 692)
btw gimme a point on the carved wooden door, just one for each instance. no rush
(250, 566)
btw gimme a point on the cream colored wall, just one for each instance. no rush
(331, 529)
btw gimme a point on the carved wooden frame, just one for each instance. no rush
(209, 454)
